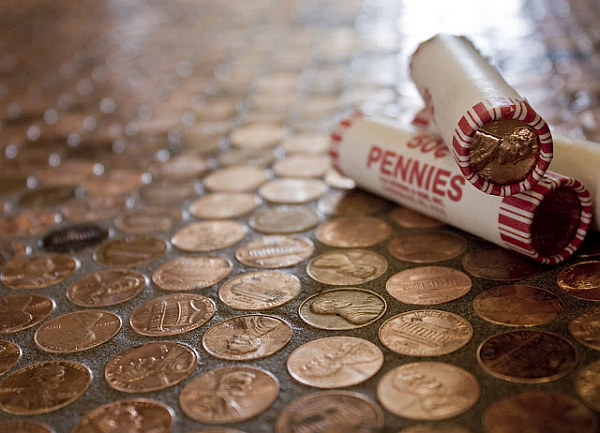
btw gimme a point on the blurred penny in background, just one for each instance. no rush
(36, 272)
(427, 247)
(90, 209)
(107, 287)
(208, 236)
(188, 273)
(271, 252)
(581, 280)
(26, 223)
(585, 328)
(259, 290)
(10, 249)
(224, 205)
(354, 202)
(411, 219)
(499, 264)
(130, 252)
(9, 355)
(428, 285)
(353, 232)
(145, 221)
(292, 190)
(236, 178)
(257, 136)
(24, 426)
(284, 219)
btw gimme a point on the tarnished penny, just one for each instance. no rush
(259, 290)
(130, 252)
(427, 247)
(188, 273)
(518, 305)
(354, 202)
(236, 178)
(270, 252)
(428, 390)
(435, 428)
(74, 238)
(36, 272)
(208, 236)
(168, 192)
(180, 167)
(144, 221)
(18, 312)
(428, 285)
(172, 314)
(224, 205)
(527, 356)
(411, 219)
(247, 337)
(43, 387)
(539, 411)
(26, 223)
(284, 219)
(257, 136)
(303, 166)
(114, 183)
(292, 190)
(46, 196)
(335, 362)
(24, 426)
(346, 267)
(135, 415)
(91, 209)
(331, 411)
(342, 309)
(581, 280)
(10, 249)
(353, 232)
(585, 328)
(150, 367)
(9, 355)
(425, 333)
(228, 395)
(106, 287)
(498, 264)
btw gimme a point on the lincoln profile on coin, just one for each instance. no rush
(251, 330)
(355, 313)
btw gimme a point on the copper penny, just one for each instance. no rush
(172, 314)
(284, 219)
(188, 273)
(411, 219)
(224, 205)
(220, 108)
(145, 221)
(236, 178)
(90, 209)
(167, 192)
(335, 362)
(217, 430)
(518, 305)
(354, 202)
(259, 290)
(68, 172)
(342, 309)
(585, 328)
(527, 356)
(74, 238)
(107, 287)
(18, 312)
(353, 232)
(180, 167)
(331, 411)
(10, 249)
(428, 285)
(302, 166)
(26, 223)
(150, 367)
(10, 184)
(581, 280)
(46, 196)
(257, 136)
(425, 333)
(270, 252)
(346, 267)
(36, 272)
(9, 355)
(130, 252)
(306, 143)
(427, 247)
(136, 415)
(498, 264)
(255, 157)
(24, 426)
(435, 428)
(292, 190)
(114, 183)
(247, 337)
(43, 387)
(539, 412)
(428, 390)
(228, 395)
(208, 236)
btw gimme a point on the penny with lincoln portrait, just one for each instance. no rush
(284, 219)
(9, 355)
(346, 267)
(427, 246)
(499, 264)
(188, 273)
(107, 287)
(26, 223)
(22, 311)
(585, 328)
(24, 426)
(581, 280)
(259, 290)
(353, 232)
(37, 272)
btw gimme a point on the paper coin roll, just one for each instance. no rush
(501, 145)
(415, 169)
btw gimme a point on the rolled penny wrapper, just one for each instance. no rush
(415, 169)
(501, 145)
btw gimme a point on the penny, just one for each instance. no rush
(9, 184)
(36, 272)
(498, 264)
(217, 430)
(9, 355)
(346, 267)
(539, 412)
(427, 390)
(306, 143)
(354, 202)
(330, 411)
(115, 182)
(107, 287)
(425, 333)
(145, 221)
(284, 219)
(68, 172)
(270, 252)
(428, 285)
(74, 238)
(188, 273)
(427, 247)
(228, 395)
(26, 223)
(342, 309)
(172, 314)
(236, 178)
(136, 415)
(43, 387)
(247, 338)
(527, 356)
(587, 383)
(518, 305)
(208, 236)
(150, 367)
(91, 209)
(581, 280)
(334, 179)
(335, 362)
(259, 290)
(180, 167)
(167, 192)
(292, 190)
(18, 312)
(130, 252)
(220, 108)
(24, 426)
(257, 136)
(302, 166)
(10, 249)
(585, 328)
(353, 232)
(224, 205)
(255, 157)
(411, 219)
(435, 428)
(46, 196)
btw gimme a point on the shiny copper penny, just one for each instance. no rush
(26, 223)
(228, 395)
(180, 167)
(46, 196)
(24, 426)
(10, 249)
(224, 205)
(172, 314)
(302, 166)
(527, 356)
(539, 412)
(284, 219)
(427, 247)
(435, 428)
(145, 221)
(18, 312)
(427, 390)
(208, 236)
(106, 287)
(581, 280)
(271, 252)
(237, 178)
(43, 387)
(346, 267)
(411, 219)
(188, 273)
(292, 190)
(330, 411)
(247, 338)
(342, 309)
(167, 192)
(259, 290)
(353, 232)
(335, 362)
(74, 238)
(113, 183)
(498, 264)
(257, 136)
(90, 209)
(354, 202)
(585, 328)
(518, 305)
(36, 272)
(587, 385)
(130, 252)
(9, 355)
(150, 367)
(425, 333)
(428, 285)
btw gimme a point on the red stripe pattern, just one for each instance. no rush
(337, 135)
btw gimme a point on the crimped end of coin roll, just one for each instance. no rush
(549, 222)
(337, 136)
